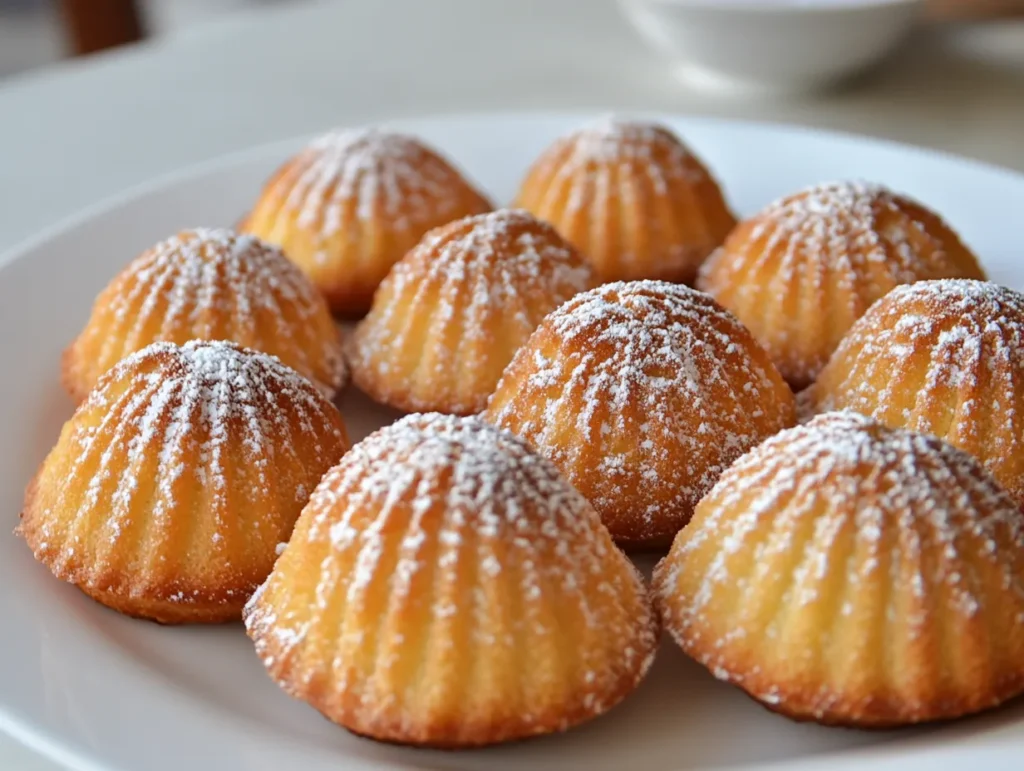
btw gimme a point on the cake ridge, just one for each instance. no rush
(622, 379)
(209, 283)
(943, 356)
(194, 391)
(369, 166)
(914, 466)
(478, 287)
(853, 574)
(441, 550)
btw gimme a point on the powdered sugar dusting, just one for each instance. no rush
(378, 173)
(492, 277)
(892, 496)
(649, 375)
(864, 236)
(633, 147)
(841, 222)
(450, 497)
(504, 258)
(817, 259)
(195, 409)
(208, 283)
(973, 330)
(941, 356)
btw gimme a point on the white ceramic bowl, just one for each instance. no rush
(772, 45)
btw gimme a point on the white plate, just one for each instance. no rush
(96, 690)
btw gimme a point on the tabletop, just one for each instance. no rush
(79, 132)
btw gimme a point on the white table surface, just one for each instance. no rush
(74, 134)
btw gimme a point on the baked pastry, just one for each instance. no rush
(209, 284)
(348, 206)
(172, 485)
(943, 357)
(800, 272)
(632, 197)
(452, 312)
(445, 586)
(849, 573)
(642, 393)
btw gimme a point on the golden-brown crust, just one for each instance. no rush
(445, 587)
(850, 574)
(452, 313)
(378, 387)
(209, 284)
(70, 376)
(642, 393)
(632, 198)
(446, 732)
(170, 488)
(807, 703)
(803, 270)
(168, 603)
(375, 195)
(942, 357)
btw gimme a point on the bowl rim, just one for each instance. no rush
(781, 6)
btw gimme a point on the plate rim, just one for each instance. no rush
(36, 738)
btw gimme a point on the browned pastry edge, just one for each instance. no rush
(881, 712)
(442, 734)
(69, 376)
(205, 605)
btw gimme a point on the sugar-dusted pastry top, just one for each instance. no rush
(848, 572)
(350, 204)
(210, 284)
(803, 270)
(642, 393)
(451, 314)
(373, 173)
(171, 486)
(944, 357)
(632, 196)
(447, 586)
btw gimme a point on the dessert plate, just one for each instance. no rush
(95, 690)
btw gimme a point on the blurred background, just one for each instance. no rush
(34, 33)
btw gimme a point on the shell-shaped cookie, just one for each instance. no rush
(849, 573)
(209, 284)
(172, 485)
(642, 393)
(943, 357)
(450, 316)
(800, 272)
(632, 197)
(352, 203)
(445, 586)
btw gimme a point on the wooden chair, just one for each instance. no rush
(92, 25)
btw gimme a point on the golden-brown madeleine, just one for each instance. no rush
(943, 357)
(632, 197)
(853, 574)
(453, 312)
(800, 272)
(642, 393)
(352, 203)
(172, 485)
(446, 586)
(209, 284)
